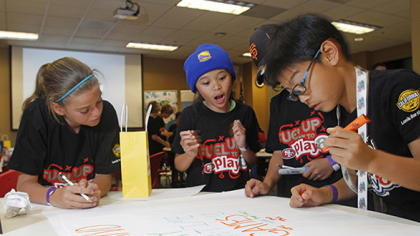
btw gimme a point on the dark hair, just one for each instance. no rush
(167, 109)
(55, 79)
(298, 40)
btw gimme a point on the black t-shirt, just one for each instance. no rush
(218, 163)
(154, 128)
(294, 129)
(172, 129)
(393, 108)
(45, 147)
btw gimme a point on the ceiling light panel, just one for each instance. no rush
(18, 35)
(229, 6)
(149, 46)
(354, 27)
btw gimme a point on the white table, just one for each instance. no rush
(228, 213)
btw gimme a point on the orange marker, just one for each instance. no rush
(353, 126)
(301, 192)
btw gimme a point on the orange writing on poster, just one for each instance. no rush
(253, 225)
(101, 230)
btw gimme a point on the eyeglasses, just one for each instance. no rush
(300, 88)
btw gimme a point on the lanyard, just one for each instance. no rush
(361, 98)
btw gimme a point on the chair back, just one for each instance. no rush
(8, 180)
(155, 162)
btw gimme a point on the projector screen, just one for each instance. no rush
(120, 79)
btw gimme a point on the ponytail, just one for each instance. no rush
(39, 90)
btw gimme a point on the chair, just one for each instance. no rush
(8, 180)
(155, 162)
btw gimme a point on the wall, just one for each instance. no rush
(369, 59)
(361, 59)
(390, 54)
(5, 93)
(163, 74)
(256, 97)
(415, 33)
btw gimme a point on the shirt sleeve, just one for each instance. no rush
(272, 143)
(252, 129)
(405, 105)
(31, 146)
(107, 158)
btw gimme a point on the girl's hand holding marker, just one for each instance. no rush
(65, 179)
(84, 194)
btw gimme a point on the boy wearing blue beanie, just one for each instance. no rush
(217, 137)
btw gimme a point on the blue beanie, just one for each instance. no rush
(207, 57)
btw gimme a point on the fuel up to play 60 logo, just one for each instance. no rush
(303, 138)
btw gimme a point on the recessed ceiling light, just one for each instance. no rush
(149, 46)
(18, 35)
(230, 6)
(246, 54)
(220, 34)
(354, 27)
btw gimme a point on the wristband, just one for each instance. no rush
(50, 191)
(243, 149)
(333, 164)
(334, 192)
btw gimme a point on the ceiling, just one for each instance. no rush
(89, 24)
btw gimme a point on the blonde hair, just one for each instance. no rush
(55, 79)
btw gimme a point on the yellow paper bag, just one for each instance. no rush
(135, 165)
(135, 162)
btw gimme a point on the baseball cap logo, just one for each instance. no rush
(204, 56)
(254, 51)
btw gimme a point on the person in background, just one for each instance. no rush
(315, 67)
(165, 112)
(66, 128)
(217, 137)
(156, 130)
(173, 127)
(177, 176)
(379, 66)
(293, 132)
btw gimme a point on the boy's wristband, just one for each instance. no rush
(333, 164)
(50, 191)
(334, 192)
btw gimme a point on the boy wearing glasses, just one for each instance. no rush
(390, 99)
(293, 133)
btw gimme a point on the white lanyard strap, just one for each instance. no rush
(361, 96)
